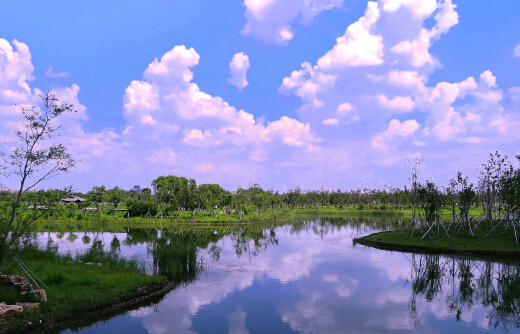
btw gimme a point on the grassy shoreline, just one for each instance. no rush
(499, 243)
(76, 289)
(63, 223)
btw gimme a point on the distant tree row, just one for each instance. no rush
(497, 192)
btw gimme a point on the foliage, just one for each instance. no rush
(34, 160)
(141, 208)
(115, 196)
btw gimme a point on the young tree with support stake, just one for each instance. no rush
(32, 162)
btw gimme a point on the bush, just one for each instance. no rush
(141, 207)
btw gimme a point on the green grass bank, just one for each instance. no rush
(499, 243)
(76, 290)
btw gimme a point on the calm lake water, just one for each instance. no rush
(305, 277)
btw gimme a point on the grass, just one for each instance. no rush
(499, 240)
(474, 211)
(74, 286)
(186, 217)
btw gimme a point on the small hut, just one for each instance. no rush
(74, 199)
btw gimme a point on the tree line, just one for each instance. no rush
(497, 192)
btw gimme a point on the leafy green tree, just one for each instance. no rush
(138, 207)
(115, 196)
(97, 195)
(31, 162)
(293, 196)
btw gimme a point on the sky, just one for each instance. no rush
(338, 94)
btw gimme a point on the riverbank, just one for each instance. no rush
(499, 243)
(92, 222)
(77, 289)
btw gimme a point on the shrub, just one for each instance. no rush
(141, 207)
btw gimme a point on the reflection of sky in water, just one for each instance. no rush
(308, 283)
(73, 243)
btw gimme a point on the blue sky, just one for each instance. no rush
(338, 93)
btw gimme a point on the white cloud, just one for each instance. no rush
(417, 50)
(270, 20)
(238, 68)
(171, 127)
(330, 121)
(395, 129)
(344, 108)
(407, 79)
(489, 78)
(357, 47)
(307, 82)
(516, 51)
(16, 70)
(398, 103)
(51, 74)
(419, 8)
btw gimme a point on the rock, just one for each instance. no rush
(23, 286)
(99, 264)
(89, 263)
(9, 312)
(41, 294)
(30, 306)
(70, 262)
(18, 279)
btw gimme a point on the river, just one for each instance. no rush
(304, 277)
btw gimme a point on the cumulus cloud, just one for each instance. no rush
(352, 116)
(16, 70)
(171, 126)
(417, 51)
(489, 78)
(344, 108)
(271, 20)
(357, 47)
(395, 129)
(307, 82)
(238, 68)
(168, 108)
(419, 8)
(465, 113)
(398, 103)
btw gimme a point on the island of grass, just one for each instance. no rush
(495, 240)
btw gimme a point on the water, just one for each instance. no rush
(307, 277)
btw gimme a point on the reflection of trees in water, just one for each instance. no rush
(359, 226)
(252, 240)
(115, 245)
(465, 282)
(176, 252)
